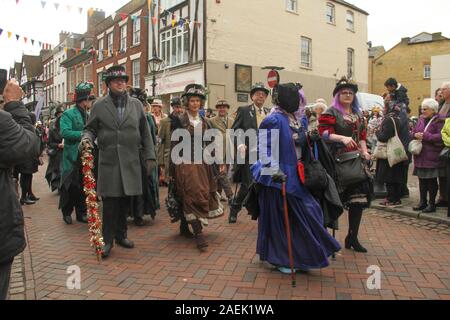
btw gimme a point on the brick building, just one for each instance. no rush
(123, 41)
(410, 63)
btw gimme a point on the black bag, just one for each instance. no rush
(173, 204)
(52, 152)
(445, 154)
(315, 175)
(350, 169)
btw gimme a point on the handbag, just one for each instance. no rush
(445, 154)
(173, 204)
(395, 149)
(52, 152)
(415, 146)
(350, 169)
(315, 174)
(380, 151)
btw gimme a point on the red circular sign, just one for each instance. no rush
(273, 78)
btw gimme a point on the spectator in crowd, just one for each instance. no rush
(427, 166)
(397, 91)
(446, 138)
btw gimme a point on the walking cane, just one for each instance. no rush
(288, 230)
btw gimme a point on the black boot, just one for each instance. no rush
(184, 229)
(26, 200)
(107, 250)
(234, 210)
(199, 238)
(32, 197)
(354, 221)
(423, 188)
(433, 190)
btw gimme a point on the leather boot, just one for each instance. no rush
(184, 229)
(199, 238)
(354, 221)
(234, 210)
(32, 197)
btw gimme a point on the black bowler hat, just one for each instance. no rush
(259, 86)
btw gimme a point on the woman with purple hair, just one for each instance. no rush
(342, 127)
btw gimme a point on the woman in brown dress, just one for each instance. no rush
(195, 181)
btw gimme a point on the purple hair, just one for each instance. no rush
(301, 108)
(356, 108)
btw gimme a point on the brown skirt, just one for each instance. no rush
(197, 189)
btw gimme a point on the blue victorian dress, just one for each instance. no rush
(311, 242)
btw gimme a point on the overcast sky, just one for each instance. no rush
(389, 21)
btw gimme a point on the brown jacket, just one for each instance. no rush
(217, 123)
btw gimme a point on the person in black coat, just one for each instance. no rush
(397, 91)
(394, 177)
(247, 118)
(17, 143)
(55, 148)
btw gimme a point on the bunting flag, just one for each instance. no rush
(9, 34)
(25, 39)
(32, 42)
(90, 12)
(123, 16)
(80, 10)
(1, 31)
(17, 37)
(43, 3)
(56, 6)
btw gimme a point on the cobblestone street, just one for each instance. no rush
(414, 257)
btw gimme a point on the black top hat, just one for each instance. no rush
(194, 90)
(259, 86)
(139, 94)
(175, 102)
(345, 84)
(115, 72)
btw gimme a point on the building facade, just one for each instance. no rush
(48, 65)
(440, 71)
(315, 41)
(122, 40)
(410, 62)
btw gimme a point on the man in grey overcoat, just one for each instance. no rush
(118, 123)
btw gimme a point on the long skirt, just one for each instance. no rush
(311, 242)
(197, 189)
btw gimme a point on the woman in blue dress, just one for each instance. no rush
(312, 245)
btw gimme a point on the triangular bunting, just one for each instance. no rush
(123, 16)
(17, 37)
(32, 42)
(1, 31)
(17, 1)
(25, 39)
(43, 3)
(9, 34)
(56, 6)
(80, 10)
(40, 44)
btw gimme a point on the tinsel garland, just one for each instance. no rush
(93, 216)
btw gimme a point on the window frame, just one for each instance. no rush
(348, 14)
(427, 68)
(123, 38)
(110, 36)
(350, 66)
(288, 5)
(136, 81)
(333, 16)
(101, 48)
(136, 23)
(309, 53)
(166, 48)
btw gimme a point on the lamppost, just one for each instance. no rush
(154, 65)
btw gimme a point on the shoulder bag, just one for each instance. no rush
(415, 146)
(395, 149)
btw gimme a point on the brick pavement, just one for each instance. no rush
(414, 257)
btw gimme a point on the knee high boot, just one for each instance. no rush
(433, 190)
(423, 189)
(199, 238)
(354, 220)
(184, 228)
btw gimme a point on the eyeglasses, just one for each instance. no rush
(347, 93)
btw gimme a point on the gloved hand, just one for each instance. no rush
(314, 135)
(279, 177)
(151, 165)
(85, 143)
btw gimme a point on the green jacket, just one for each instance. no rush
(71, 128)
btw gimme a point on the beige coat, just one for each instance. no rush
(217, 123)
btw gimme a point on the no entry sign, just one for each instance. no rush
(273, 78)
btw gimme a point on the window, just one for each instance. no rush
(291, 5)
(110, 43)
(123, 38)
(136, 31)
(170, 3)
(100, 84)
(136, 73)
(350, 63)
(306, 53)
(331, 13)
(427, 71)
(100, 49)
(350, 21)
(175, 47)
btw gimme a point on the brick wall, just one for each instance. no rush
(131, 50)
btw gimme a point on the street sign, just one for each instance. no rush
(273, 78)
